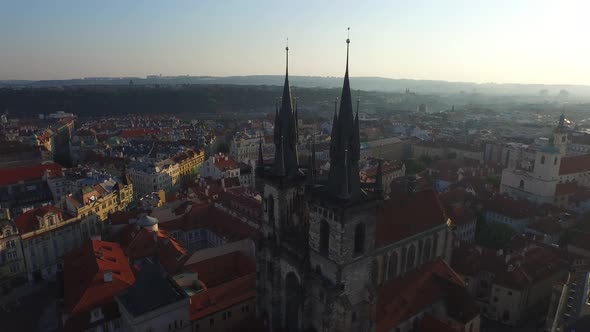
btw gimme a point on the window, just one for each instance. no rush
(555, 161)
(392, 268)
(324, 236)
(359, 238)
(427, 250)
(542, 160)
(521, 184)
(269, 271)
(271, 208)
(411, 257)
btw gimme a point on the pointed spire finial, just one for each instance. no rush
(347, 49)
(287, 53)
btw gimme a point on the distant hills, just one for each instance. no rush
(358, 83)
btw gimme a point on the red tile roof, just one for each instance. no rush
(524, 267)
(213, 219)
(401, 298)
(138, 242)
(132, 133)
(84, 269)
(574, 164)
(408, 214)
(29, 221)
(513, 208)
(217, 270)
(224, 165)
(223, 296)
(431, 324)
(566, 188)
(28, 173)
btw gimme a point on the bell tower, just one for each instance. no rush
(281, 250)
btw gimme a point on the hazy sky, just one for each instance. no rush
(528, 41)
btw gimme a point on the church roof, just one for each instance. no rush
(574, 164)
(408, 214)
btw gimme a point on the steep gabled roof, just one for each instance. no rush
(574, 164)
(29, 221)
(408, 214)
(401, 298)
(84, 272)
(29, 173)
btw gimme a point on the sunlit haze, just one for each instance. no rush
(479, 41)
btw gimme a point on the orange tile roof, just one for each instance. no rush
(84, 270)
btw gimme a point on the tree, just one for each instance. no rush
(222, 147)
(493, 235)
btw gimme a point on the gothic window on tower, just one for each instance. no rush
(392, 273)
(324, 237)
(271, 208)
(411, 257)
(427, 250)
(359, 238)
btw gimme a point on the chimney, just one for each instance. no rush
(108, 276)
(223, 183)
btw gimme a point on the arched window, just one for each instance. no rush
(542, 160)
(271, 209)
(427, 250)
(392, 267)
(402, 267)
(359, 238)
(435, 246)
(420, 248)
(521, 184)
(411, 257)
(324, 236)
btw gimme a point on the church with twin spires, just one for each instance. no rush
(334, 254)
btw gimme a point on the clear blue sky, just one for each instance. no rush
(526, 41)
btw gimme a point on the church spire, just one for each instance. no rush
(285, 140)
(343, 180)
